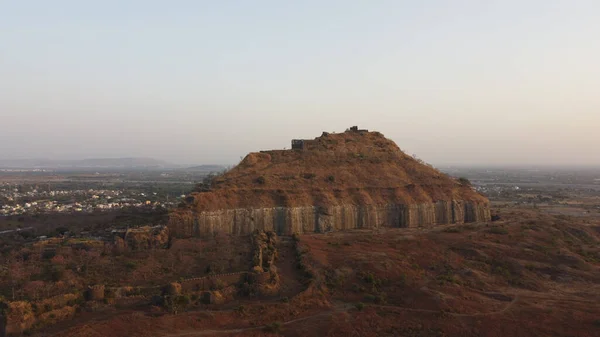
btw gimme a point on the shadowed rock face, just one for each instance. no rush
(310, 219)
(2, 325)
(343, 181)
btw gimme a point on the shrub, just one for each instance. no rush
(157, 301)
(447, 277)
(464, 181)
(48, 254)
(498, 230)
(370, 298)
(241, 310)
(26, 234)
(61, 230)
(331, 179)
(334, 279)
(57, 273)
(357, 288)
(261, 180)
(308, 175)
(381, 298)
(369, 278)
(403, 279)
(360, 306)
(274, 327)
(184, 299)
(218, 284)
(130, 265)
(175, 304)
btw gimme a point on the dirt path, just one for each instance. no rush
(339, 307)
(210, 332)
(501, 311)
(286, 267)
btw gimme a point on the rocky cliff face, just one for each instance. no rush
(310, 219)
(343, 181)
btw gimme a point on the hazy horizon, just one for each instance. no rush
(458, 83)
(152, 161)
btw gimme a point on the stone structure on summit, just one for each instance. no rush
(338, 181)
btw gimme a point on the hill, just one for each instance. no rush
(355, 179)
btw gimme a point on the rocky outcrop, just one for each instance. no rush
(96, 292)
(141, 238)
(3, 321)
(265, 251)
(289, 220)
(352, 180)
(20, 317)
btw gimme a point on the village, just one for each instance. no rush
(15, 201)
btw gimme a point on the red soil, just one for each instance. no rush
(528, 275)
(346, 168)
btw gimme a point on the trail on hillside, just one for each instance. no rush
(339, 307)
(290, 276)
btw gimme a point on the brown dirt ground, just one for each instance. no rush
(529, 274)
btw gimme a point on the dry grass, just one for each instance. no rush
(538, 277)
(350, 167)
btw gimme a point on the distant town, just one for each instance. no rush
(35, 191)
(18, 202)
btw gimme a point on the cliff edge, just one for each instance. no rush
(355, 179)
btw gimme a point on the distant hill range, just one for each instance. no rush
(106, 163)
(86, 163)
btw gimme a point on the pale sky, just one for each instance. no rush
(456, 82)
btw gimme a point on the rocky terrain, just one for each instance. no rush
(356, 179)
(527, 274)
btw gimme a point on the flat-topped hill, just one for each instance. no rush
(356, 169)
